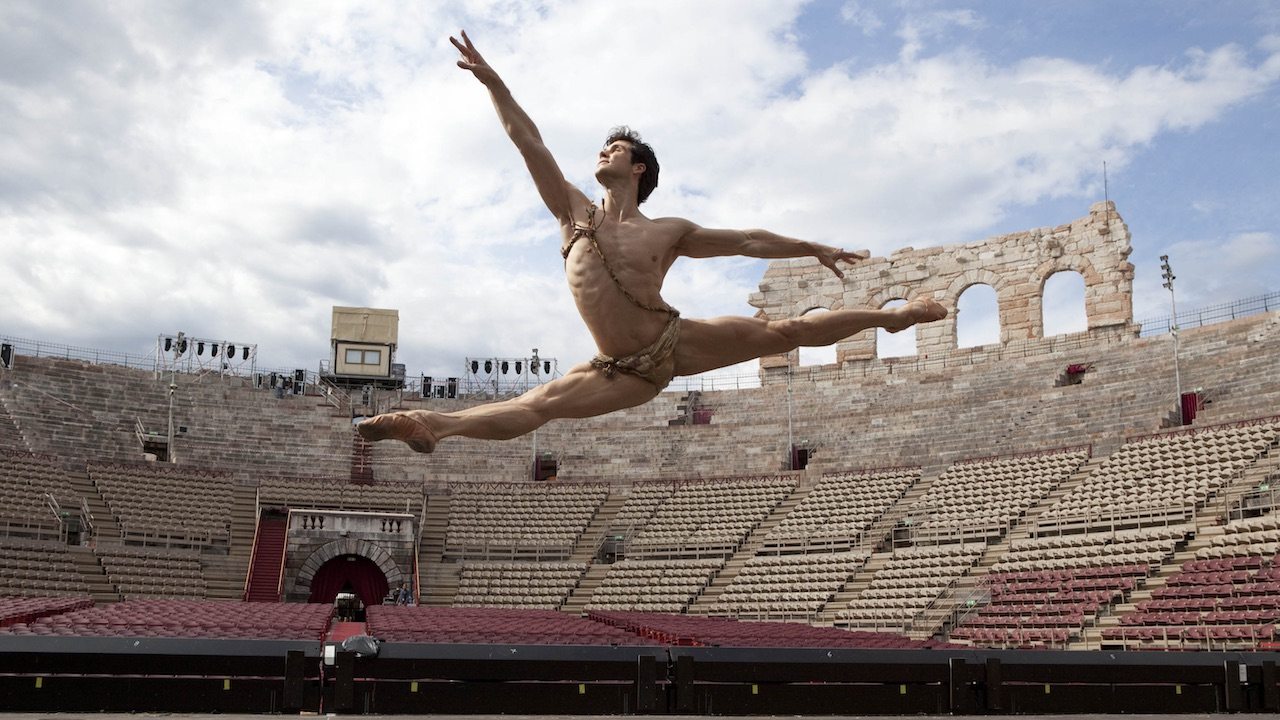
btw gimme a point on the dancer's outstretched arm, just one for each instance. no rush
(700, 242)
(560, 197)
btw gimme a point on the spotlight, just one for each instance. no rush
(518, 367)
(546, 367)
(200, 348)
(213, 351)
(488, 366)
(246, 353)
(475, 367)
(231, 351)
(506, 367)
(168, 344)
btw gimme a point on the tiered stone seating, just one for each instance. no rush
(15, 610)
(187, 619)
(340, 494)
(1162, 478)
(1229, 595)
(787, 586)
(723, 632)
(841, 507)
(142, 572)
(982, 498)
(38, 567)
(158, 503)
(394, 623)
(704, 516)
(1045, 590)
(907, 585)
(521, 519)
(531, 585)
(654, 585)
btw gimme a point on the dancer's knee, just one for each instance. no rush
(790, 332)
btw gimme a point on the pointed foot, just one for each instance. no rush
(411, 427)
(923, 309)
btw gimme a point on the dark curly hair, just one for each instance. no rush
(642, 153)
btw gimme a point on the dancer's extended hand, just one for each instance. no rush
(472, 60)
(829, 256)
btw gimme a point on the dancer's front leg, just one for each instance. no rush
(583, 392)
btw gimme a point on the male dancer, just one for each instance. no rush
(616, 260)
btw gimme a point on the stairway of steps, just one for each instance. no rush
(585, 549)
(576, 603)
(860, 581)
(1091, 637)
(225, 574)
(106, 528)
(437, 584)
(1228, 499)
(94, 575)
(875, 540)
(706, 600)
(440, 583)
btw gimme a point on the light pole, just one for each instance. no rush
(1173, 328)
(179, 347)
(791, 444)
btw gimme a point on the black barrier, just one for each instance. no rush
(48, 674)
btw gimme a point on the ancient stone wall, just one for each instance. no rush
(1015, 265)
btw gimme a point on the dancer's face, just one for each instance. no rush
(615, 159)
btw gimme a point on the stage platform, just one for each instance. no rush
(134, 674)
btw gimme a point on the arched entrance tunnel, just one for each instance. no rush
(353, 573)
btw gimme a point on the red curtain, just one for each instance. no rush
(355, 573)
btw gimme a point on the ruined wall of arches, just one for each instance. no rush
(1016, 265)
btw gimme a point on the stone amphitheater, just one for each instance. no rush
(1039, 492)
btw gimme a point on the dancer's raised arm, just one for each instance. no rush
(700, 242)
(559, 196)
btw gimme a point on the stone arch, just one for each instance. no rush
(1066, 289)
(348, 546)
(1066, 263)
(979, 312)
(1000, 283)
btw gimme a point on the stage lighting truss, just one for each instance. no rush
(185, 354)
(495, 377)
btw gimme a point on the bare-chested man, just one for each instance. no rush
(616, 260)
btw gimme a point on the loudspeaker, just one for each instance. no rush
(452, 386)
(6, 355)
(299, 376)
(426, 386)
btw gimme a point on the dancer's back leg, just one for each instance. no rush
(583, 392)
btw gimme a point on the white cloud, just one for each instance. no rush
(859, 15)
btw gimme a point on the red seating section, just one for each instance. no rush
(724, 632)
(186, 619)
(15, 610)
(1046, 607)
(499, 626)
(1216, 600)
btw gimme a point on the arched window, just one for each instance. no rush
(1062, 304)
(825, 355)
(977, 317)
(901, 344)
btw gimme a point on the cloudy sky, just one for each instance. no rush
(235, 169)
